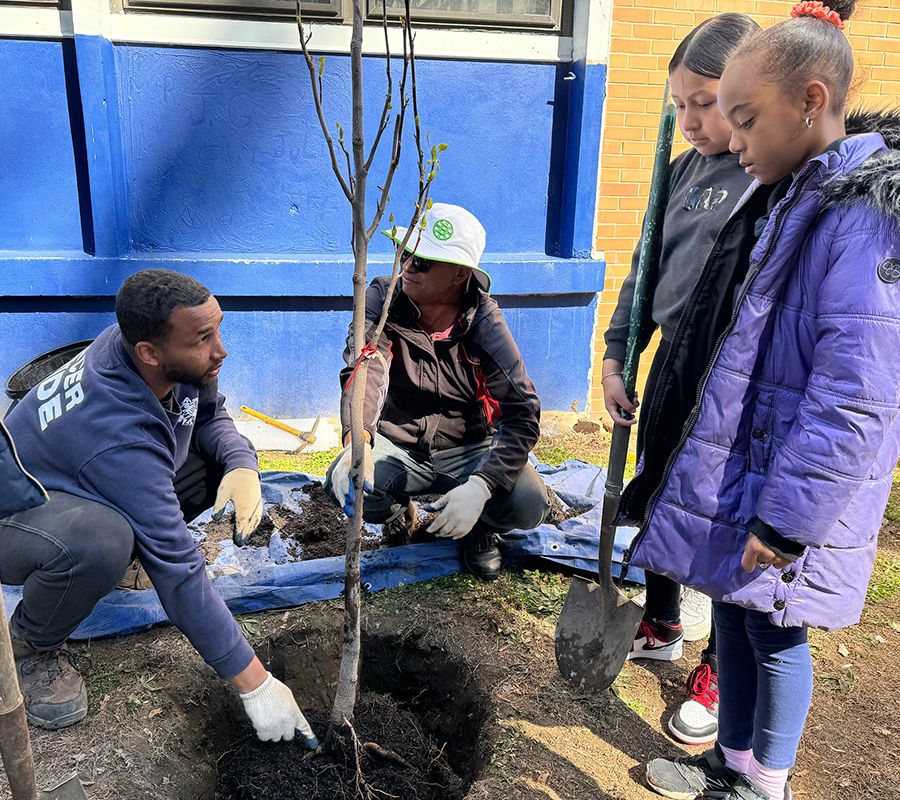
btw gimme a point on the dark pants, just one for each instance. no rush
(69, 552)
(401, 474)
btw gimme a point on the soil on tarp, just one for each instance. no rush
(559, 513)
(320, 531)
(386, 754)
(222, 530)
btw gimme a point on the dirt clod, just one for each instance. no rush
(558, 513)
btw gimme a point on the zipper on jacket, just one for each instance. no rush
(743, 200)
(12, 447)
(695, 413)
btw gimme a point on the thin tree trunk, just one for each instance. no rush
(345, 698)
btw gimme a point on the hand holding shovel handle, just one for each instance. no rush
(598, 623)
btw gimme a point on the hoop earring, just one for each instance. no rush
(808, 122)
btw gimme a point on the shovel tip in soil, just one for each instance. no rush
(594, 634)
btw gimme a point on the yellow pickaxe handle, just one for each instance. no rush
(305, 437)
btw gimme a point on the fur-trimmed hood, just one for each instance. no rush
(876, 181)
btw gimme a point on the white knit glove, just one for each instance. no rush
(275, 714)
(460, 508)
(340, 476)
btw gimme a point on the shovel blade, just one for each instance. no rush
(594, 634)
(69, 788)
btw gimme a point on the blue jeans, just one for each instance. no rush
(765, 684)
(402, 474)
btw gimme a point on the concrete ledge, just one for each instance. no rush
(79, 275)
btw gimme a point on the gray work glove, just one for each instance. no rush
(340, 476)
(460, 508)
(275, 714)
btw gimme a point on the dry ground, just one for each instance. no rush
(161, 724)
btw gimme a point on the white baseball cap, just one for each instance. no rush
(451, 234)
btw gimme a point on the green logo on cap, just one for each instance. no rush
(442, 229)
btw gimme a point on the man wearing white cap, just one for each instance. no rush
(449, 407)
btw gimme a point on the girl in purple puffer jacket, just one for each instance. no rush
(773, 497)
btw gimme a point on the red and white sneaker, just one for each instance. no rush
(657, 640)
(697, 719)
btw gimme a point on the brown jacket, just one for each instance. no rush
(427, 396)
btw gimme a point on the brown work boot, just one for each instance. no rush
(399, 531)
(135, 578)
(54, 692)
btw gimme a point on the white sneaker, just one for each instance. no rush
(697, 719)
(696, 614)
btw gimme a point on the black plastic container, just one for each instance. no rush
(31, 374)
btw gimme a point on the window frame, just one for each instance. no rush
(60, 4)
(258, 9)
(558, 21)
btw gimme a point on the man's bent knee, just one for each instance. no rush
(100, 540)
(525, 507)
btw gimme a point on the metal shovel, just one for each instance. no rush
(15, 742)
(598, 623)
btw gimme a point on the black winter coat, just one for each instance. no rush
(428, 395)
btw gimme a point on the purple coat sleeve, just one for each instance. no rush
(846, 428)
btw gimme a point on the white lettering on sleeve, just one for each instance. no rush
(49, 411)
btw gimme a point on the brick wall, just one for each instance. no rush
(644, 36)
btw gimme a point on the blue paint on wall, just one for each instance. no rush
(95, 58)
(284, 354)
(38, 189)
(211, 162)
(588, 87)
(219, 147)
(517, 273)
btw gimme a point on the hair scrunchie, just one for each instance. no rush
(813, 8)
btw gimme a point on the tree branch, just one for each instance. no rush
(317, 100)
(397, 142)
(386, 108)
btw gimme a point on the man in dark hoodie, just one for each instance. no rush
(130, 439)
(449, 408)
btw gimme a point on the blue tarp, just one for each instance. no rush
(258, 578)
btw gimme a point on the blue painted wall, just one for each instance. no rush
(211, 162)
(38, 190)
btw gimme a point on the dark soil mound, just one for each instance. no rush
(558, 513)
(386, 754)
(216, 531)
(320, 531)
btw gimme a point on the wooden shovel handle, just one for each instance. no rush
(15, 742)
(306, 437)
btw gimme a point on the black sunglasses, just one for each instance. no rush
(419, 264)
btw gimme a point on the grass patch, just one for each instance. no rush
(841, 682)
(885, 580)
(892, 512)
(101, 684)
(590, 447)
(143, 694)
(459, 583)
(310, 463)
(540, 594)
